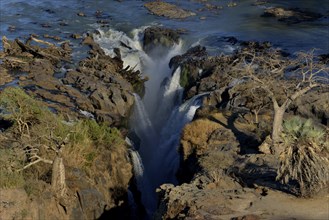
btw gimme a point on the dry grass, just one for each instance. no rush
(196, 134)
(36, 127)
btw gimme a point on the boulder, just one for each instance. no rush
(314, 105)
(159, 37)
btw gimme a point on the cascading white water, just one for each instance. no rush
(138, 165)
(157, 119)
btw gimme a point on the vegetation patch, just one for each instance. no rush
(184, 77)
(305, 156)
(41, 136)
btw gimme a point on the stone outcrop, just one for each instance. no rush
(159, 37)
(209, 150)
(226, 171)
(314, 105)
(168, 10)
(88, 196)
(99, 85)
(291, 16)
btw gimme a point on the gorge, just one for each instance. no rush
(163, 109)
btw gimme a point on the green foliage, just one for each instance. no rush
(87, 140)
(10, 161)
(184, 77)
(299, 130)
(19, 107)
(305, 157)
(99, 134)
(36, 127)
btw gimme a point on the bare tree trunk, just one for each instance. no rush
(277, 127)
(256, 116)
(58, 177)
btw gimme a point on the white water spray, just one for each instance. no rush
(157, 119)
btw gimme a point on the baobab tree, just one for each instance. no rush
(282, 79)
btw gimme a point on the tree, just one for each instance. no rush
(282, 79)
(254, 99)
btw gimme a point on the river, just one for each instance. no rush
(243, 21)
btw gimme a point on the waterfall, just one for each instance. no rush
(137, 163)
(158, 118)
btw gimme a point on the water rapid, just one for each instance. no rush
(158, 117)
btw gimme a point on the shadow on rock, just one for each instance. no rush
(248, 143)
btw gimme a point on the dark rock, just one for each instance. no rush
(159, 37)
(102, 15)
(103, 21)
(98, 13)
(194, 53)
(49, 11)
(108, 86)
(247, 217)
(46, 25)
(11, 28)
(324, 58)
(314, 105)
(92, 202)
(63, 23)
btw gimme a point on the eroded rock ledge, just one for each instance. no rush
(97, 176)
(226, 170)
(98, 85)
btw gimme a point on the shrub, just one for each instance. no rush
(305, 157)
(40, 130)
(184, 77)
(19, 107)
(10, 161)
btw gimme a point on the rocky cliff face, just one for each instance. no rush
(89, 196)
(97, 87)
(223, 174)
